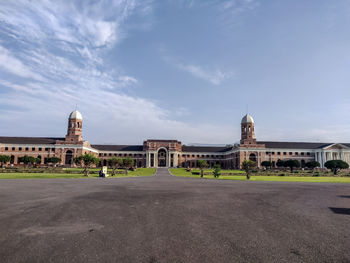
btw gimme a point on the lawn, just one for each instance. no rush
(258, 177)
(137, 172)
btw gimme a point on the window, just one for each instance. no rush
(40, 149)
(279, 153)
(302, 153)
(273, 153)
(308, 153)
(100, 154)
(296, 153)
(290, 153)
(47, 149)
(6, 148)
(284, 153)
(13, 148)
(110, 154)
(53, 149)
(105, 154)
(33, 148)
(19, 148)
(27, 149)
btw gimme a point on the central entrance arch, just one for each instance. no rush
(69, 157)
(162, 157)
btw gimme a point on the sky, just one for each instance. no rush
(176, 69)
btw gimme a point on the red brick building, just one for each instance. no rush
(171, 153)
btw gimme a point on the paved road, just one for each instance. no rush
(170, 219)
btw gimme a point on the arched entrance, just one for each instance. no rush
(252, 157)
(162, 157)
(69, 157)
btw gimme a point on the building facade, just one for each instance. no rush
(171, 153)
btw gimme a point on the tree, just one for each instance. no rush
(217, 170)
(28, 160)
(312, 165)
(127, 163)
(4, 159)
(202, 164)
(86, 161)
(115, 163)
(292, 164)
(248, 166)
(280, 163)
(336, 165)
(54, 160)
(266, 164)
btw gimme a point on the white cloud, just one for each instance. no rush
(215, 77)
(14, 66)
(60, 50)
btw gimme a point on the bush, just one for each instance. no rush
(316, 174)
(282, 175)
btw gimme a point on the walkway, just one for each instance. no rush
(162, 172)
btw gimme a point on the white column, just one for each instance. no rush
(156, 159)
(147, 159)
(168, 159)
(316, 157)
(323, 159)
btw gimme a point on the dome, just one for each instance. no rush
(76, 115)
(247, 119)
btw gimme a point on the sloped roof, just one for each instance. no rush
(103, 147)
(29, 140)
(186, 148)
(295, 145)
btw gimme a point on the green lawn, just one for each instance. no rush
(321, 179)
(137, 172)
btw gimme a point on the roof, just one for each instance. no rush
(186, 148)
(76, 115)
(156, 140)
(29, 140)
(295, 145)
(247, 119)
(132, 148)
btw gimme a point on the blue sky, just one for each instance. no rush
(183, 69)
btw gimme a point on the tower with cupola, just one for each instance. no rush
(75, 127)
(247, 130)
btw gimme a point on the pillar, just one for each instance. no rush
(323, 159)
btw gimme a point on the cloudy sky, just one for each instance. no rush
(185, 69)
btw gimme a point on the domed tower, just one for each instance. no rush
(247, 132)
(75, 125)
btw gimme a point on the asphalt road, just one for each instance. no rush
(171, 219)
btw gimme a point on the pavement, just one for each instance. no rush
(164, 218)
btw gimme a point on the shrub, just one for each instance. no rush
(217, 171)
(282, 175)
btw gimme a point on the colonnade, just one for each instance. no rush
(323, 156)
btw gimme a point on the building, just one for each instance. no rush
(171, 153)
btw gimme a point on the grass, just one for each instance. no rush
(137, 172)
(261, 177)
